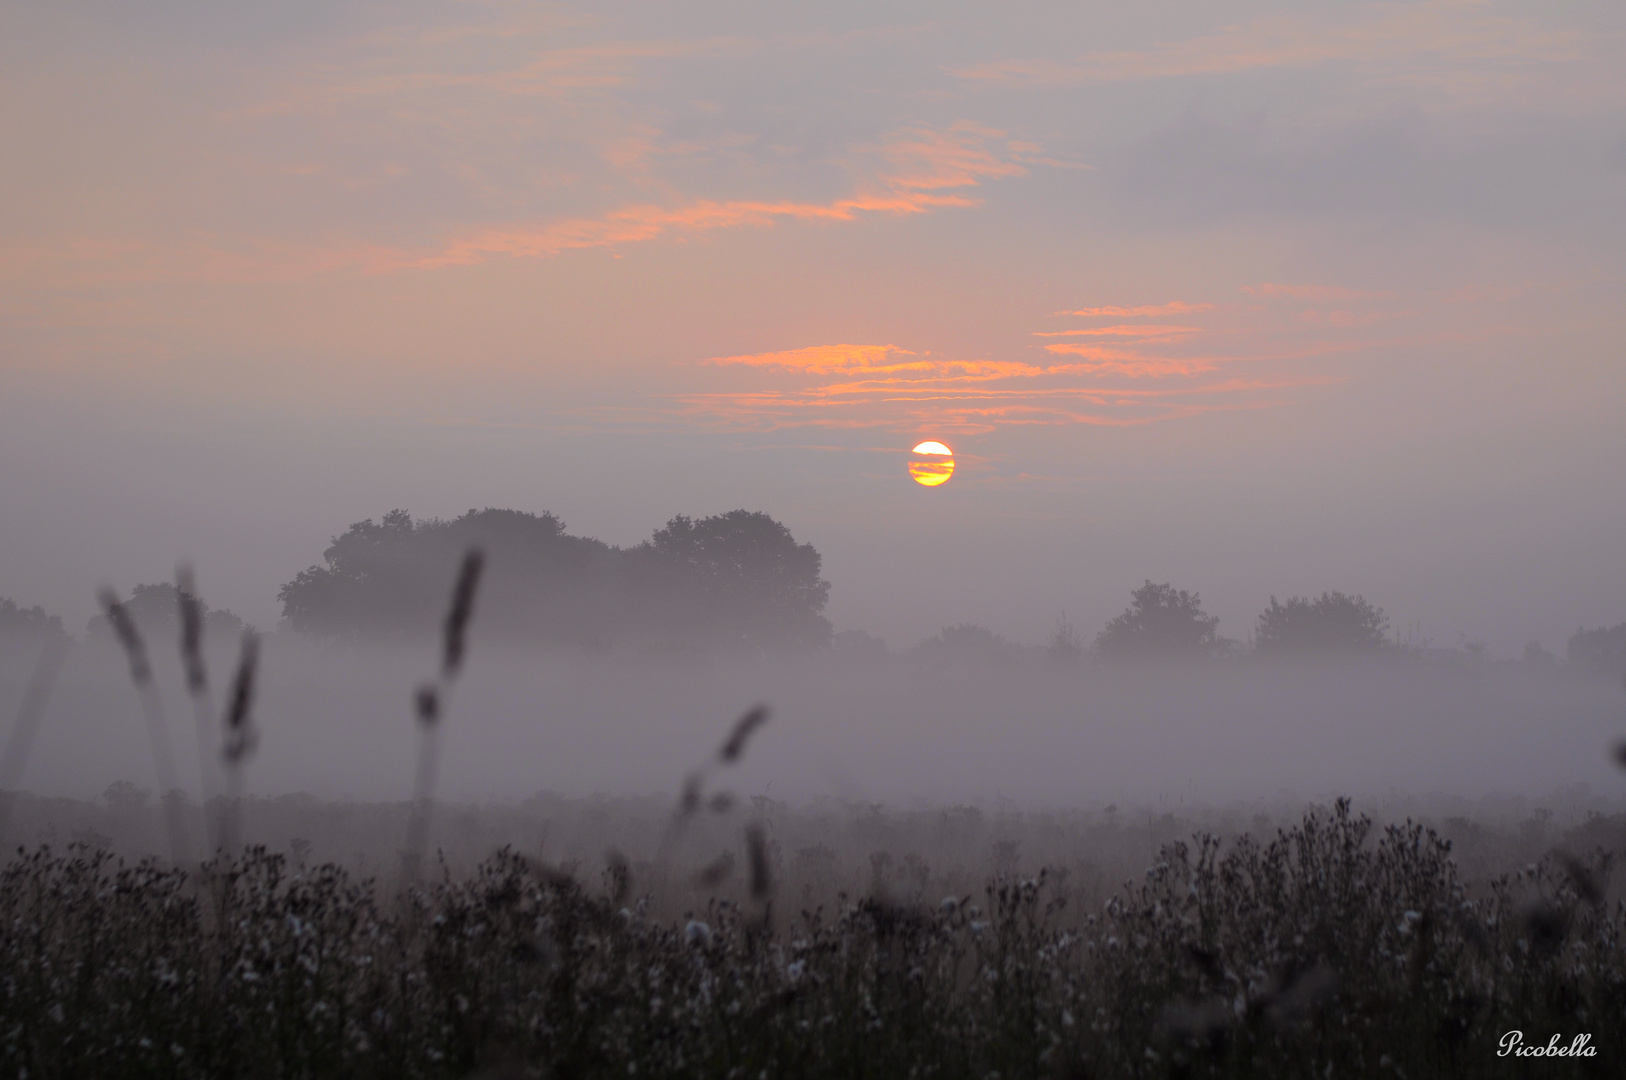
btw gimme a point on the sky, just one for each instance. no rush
(1258, 299)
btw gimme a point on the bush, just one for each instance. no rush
(1161, 622)
(1332, 623)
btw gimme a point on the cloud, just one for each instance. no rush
(1225, 356)
(926, 170)
(956, 157)
(638, 224)
(822, 359)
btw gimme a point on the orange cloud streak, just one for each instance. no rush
(927, 170)
(1123, 373)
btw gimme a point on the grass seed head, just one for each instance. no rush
(186, 595)
(240, 736)
(124, 628)
(461, 611)
(744, 727)
(427, 703)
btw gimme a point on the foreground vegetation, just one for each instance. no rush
(1332, 949)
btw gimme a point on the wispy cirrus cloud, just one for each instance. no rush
(924, 170)
(1252, 353)
(1128, 376)
(929, 169)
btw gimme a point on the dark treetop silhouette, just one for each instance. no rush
(1162, 622)
(1331, 623)
(1602, 650)
(734, 581)
(28, 626)
(156, 609)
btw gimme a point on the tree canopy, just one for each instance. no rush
(31, 626)
(1332, 623)
(156, 610)
(967, 644)
(1161, 623)
(737, 580)
(1602, 650)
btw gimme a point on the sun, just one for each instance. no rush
(931, 463)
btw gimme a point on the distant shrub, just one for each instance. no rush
(156, 610)
(1162, 623)
(1331, 623)
(1602, 651)
(31, 626)
(966, 643)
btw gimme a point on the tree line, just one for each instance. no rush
(1162, 621)
(737, 581)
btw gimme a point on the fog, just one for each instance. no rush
(898, 730)
(1257, 303)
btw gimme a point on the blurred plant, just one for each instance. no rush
(429, 701)
(124, 629)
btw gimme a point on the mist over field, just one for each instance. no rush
(337, 722)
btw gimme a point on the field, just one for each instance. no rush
(756, 940)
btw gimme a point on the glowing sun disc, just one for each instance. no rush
(932, 464)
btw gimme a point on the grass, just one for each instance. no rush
(1328, 949)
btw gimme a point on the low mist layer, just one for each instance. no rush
(337, 721)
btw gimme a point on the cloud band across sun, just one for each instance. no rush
(1106, 365)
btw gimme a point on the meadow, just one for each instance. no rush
(745, 939)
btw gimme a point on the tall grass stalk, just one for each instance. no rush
(152, 708)
(429, 703)
(197, 687)
(240, 737)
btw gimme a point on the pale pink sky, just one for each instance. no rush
(1270, 299)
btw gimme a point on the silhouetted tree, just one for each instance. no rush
(1161, 622)
(1331, 623)
(1536, 655)
(389, 579)
(967, 643)
(156, 610)
(859, 643)
(738, 578)
(1064, 647)
(1602, 650)
(20, 626)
